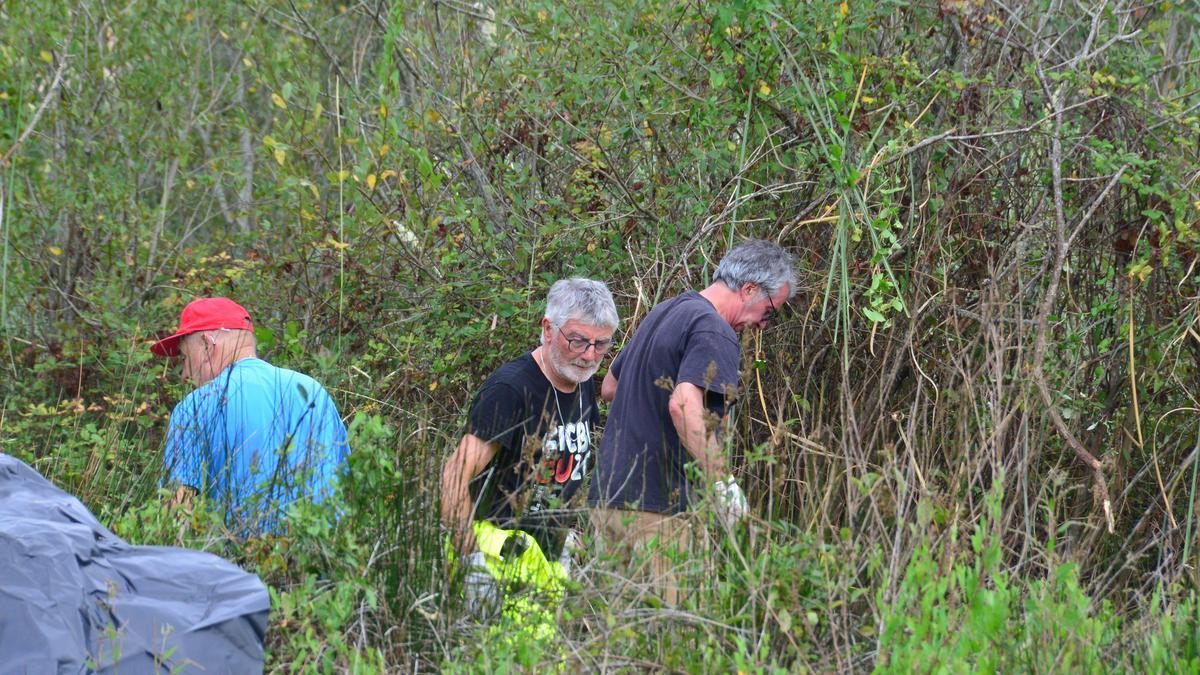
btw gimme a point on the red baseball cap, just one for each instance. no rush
(204, 314)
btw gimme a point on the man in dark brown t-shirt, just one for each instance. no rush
(676, 377)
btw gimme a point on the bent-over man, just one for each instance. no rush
(670, 387)
(252, 438)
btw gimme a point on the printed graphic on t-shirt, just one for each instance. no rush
(565, 453)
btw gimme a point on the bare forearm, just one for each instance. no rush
(688, 415)
(467, 460)
(456, 507)
(608, 388)
(704, 447)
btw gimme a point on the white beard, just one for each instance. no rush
(575, 370)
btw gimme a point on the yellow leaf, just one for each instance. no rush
(191, 184)
(844, 8)
(54, 250)
(591, 246)
(278, 101)
(1139, 271)
(280, 155)
(371, 181)
(343, 175)
(387, 174)
(313, 189)
(339, 245)
(383, 150)
(434, 385)
(224, 35)
(382, 110)
(247, 62)
(542, 15)
(269, 141)
(317, 111)
(764, 88)
(47, 56)
(3, 95)
(868, 100)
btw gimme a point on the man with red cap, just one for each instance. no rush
(252, 438)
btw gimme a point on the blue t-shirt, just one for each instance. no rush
(255, 439)
(641, 463)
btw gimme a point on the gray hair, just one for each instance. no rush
(581, 299)
(758, 262)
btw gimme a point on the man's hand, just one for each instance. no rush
(572, 547)
(467, 460)
(730, 501)
(184, 495)
(481, 589)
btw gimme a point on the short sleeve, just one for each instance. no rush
(710, 361)
(497, 415)
(617, 364)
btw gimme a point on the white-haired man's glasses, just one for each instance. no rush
(579, 345)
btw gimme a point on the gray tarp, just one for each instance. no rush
(76, 598)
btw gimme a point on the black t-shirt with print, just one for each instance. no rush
(545, 439)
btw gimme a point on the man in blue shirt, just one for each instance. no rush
(252, 438)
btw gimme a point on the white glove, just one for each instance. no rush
(731, 502)
(480, 588)
(572, 545)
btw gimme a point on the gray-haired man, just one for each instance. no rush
(528, 445)
(677, 375)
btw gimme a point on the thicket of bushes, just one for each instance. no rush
(971, 444)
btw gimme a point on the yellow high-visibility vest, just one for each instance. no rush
(514, 556)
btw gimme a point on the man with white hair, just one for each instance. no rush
(252, 438)
(508, 487)
(676, 378)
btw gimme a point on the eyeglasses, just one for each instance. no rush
(770, 315)
(579, 345)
